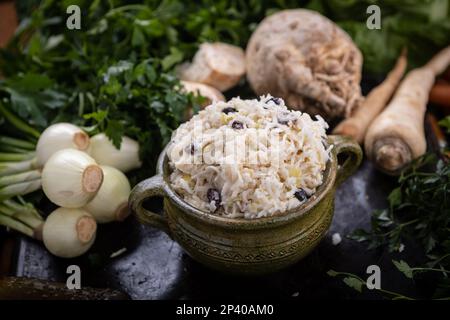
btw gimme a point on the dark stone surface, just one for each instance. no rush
(154, 267)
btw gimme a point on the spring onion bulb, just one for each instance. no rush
(71, 178)
(69, 233)
(57, 137)
(111, 201)
(105, 153)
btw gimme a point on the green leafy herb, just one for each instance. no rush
(445, 123)
(419, 209)
(404, 268)
(421, 26)
(354, 283)
(420, 206)
(122, 60)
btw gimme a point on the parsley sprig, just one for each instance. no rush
(419, 210)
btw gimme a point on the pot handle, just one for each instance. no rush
(151, 187)
(349, 156)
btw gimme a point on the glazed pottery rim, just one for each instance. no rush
(329, 177)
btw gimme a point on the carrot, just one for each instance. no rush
(446, 74)
(436, 134)
(356, 125)
(8, 23)
(397, 136)
(440, 95)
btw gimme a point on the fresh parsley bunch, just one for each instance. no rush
(419, 209)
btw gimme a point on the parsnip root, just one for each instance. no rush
(356, 126)
(397, 135)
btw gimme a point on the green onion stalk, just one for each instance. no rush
(19, 123)
(21, 217)
(18, 167)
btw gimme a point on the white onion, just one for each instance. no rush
(71, 178)
(111, 201)
(105, 153)
(69, 233)
(57, 137)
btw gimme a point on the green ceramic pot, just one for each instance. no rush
(241, 246)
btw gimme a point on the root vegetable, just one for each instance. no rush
(57, 137)
(211, 94)
(71, 178)
(397, 135)
(111, 201)
(446, 74)
(216, 64)
(356, 125)
(69, 233)
(437, 138)
(105, 153)
(306, 59)
(440, 95)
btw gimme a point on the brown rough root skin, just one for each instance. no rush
(81, 140)
(86, 228)
(122, 212)
(92, 178)
(306, 59)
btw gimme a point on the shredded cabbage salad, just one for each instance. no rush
(248, 158)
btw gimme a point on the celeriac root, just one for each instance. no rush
(217, 64)
(211, 94)
(306, 59)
